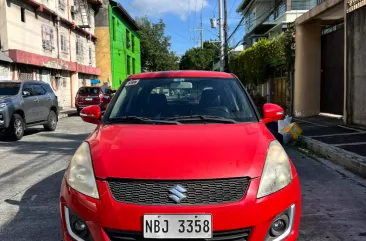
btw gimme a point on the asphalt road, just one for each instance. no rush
(334, 200)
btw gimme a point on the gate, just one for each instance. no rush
(279, 84)
(332, 75)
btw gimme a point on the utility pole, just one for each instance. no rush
(221, 25)
(201, 34)
(226, 44)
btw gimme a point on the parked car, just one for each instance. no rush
(93, 95)
(24, 104)
(172, 168)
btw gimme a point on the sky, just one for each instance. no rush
(183, 16)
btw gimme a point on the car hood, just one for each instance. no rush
(176, 152)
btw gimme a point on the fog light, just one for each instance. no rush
(79, 226)
(282, 225)
(76, 226)
(279, 226)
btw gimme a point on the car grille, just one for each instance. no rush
(150, 192)
(232, 235)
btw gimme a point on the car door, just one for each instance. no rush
(30, 103)
(44, 101)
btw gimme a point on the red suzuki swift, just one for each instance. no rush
(180, 155)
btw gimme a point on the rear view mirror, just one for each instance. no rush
(181, 85)
(272, 112)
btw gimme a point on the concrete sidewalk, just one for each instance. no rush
(67, 113)
(329, 138)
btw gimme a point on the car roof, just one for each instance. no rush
(24, 81)
(181, 74)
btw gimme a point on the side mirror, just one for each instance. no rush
(272, 112)
(26, 93)
(91, 114)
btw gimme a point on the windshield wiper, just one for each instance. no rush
(138, 119)
(205, 118)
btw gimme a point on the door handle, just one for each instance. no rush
(35, 100)
(49, 99)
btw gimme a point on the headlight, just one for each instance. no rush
(4, 104)
(276, 172)
(80, 175)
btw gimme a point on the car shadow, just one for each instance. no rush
(27, 132)
(37, 218)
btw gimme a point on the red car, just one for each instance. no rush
(200, 165)
(93, 95)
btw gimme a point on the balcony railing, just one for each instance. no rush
(280, 10)
(302, 5)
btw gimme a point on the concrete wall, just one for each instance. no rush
(103, 56)
(307, 69)
(356, 70)
(27, 36)
(32, 29)
(3, 26)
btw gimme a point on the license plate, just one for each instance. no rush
(88, 99)
(178, 226)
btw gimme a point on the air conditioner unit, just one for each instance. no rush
(73, 9)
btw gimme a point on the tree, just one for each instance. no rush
(200, 58)
(155, 47)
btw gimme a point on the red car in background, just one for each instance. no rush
(199, 166)
(93, 95)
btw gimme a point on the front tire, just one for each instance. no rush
(16, 128)
(51, 122)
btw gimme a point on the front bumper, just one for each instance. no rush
(4, 118)
(106, 214)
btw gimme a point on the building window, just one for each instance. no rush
(79, 48)
(128, 40)
(62, 5)
(47, 38)
(128, 65)
(22, 14)
(90, 56)
(114, 28)
(64, 44)
(133, 43)
(133, 66)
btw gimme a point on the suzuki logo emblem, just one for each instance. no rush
(177, 193)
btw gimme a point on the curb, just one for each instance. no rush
(351, 161)
(67, 114)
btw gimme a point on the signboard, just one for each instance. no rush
(94, 81)
(352, 5)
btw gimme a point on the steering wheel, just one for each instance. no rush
(220, 110)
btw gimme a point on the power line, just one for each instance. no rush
(156, 19)
(232, 6)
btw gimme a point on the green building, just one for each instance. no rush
(118, 45)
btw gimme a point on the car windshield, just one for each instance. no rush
(89, 90)
(183, 100)
(9, 88)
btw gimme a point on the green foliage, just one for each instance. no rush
(200, 58)
(252, 64)
(155, 47)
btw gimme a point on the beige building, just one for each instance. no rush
(52, 41)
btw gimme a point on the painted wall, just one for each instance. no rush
(3, 26)
(103, 55)
(33, 28)
(123, 56)
(256, 14)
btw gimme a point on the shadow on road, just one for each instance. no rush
(38, 215)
